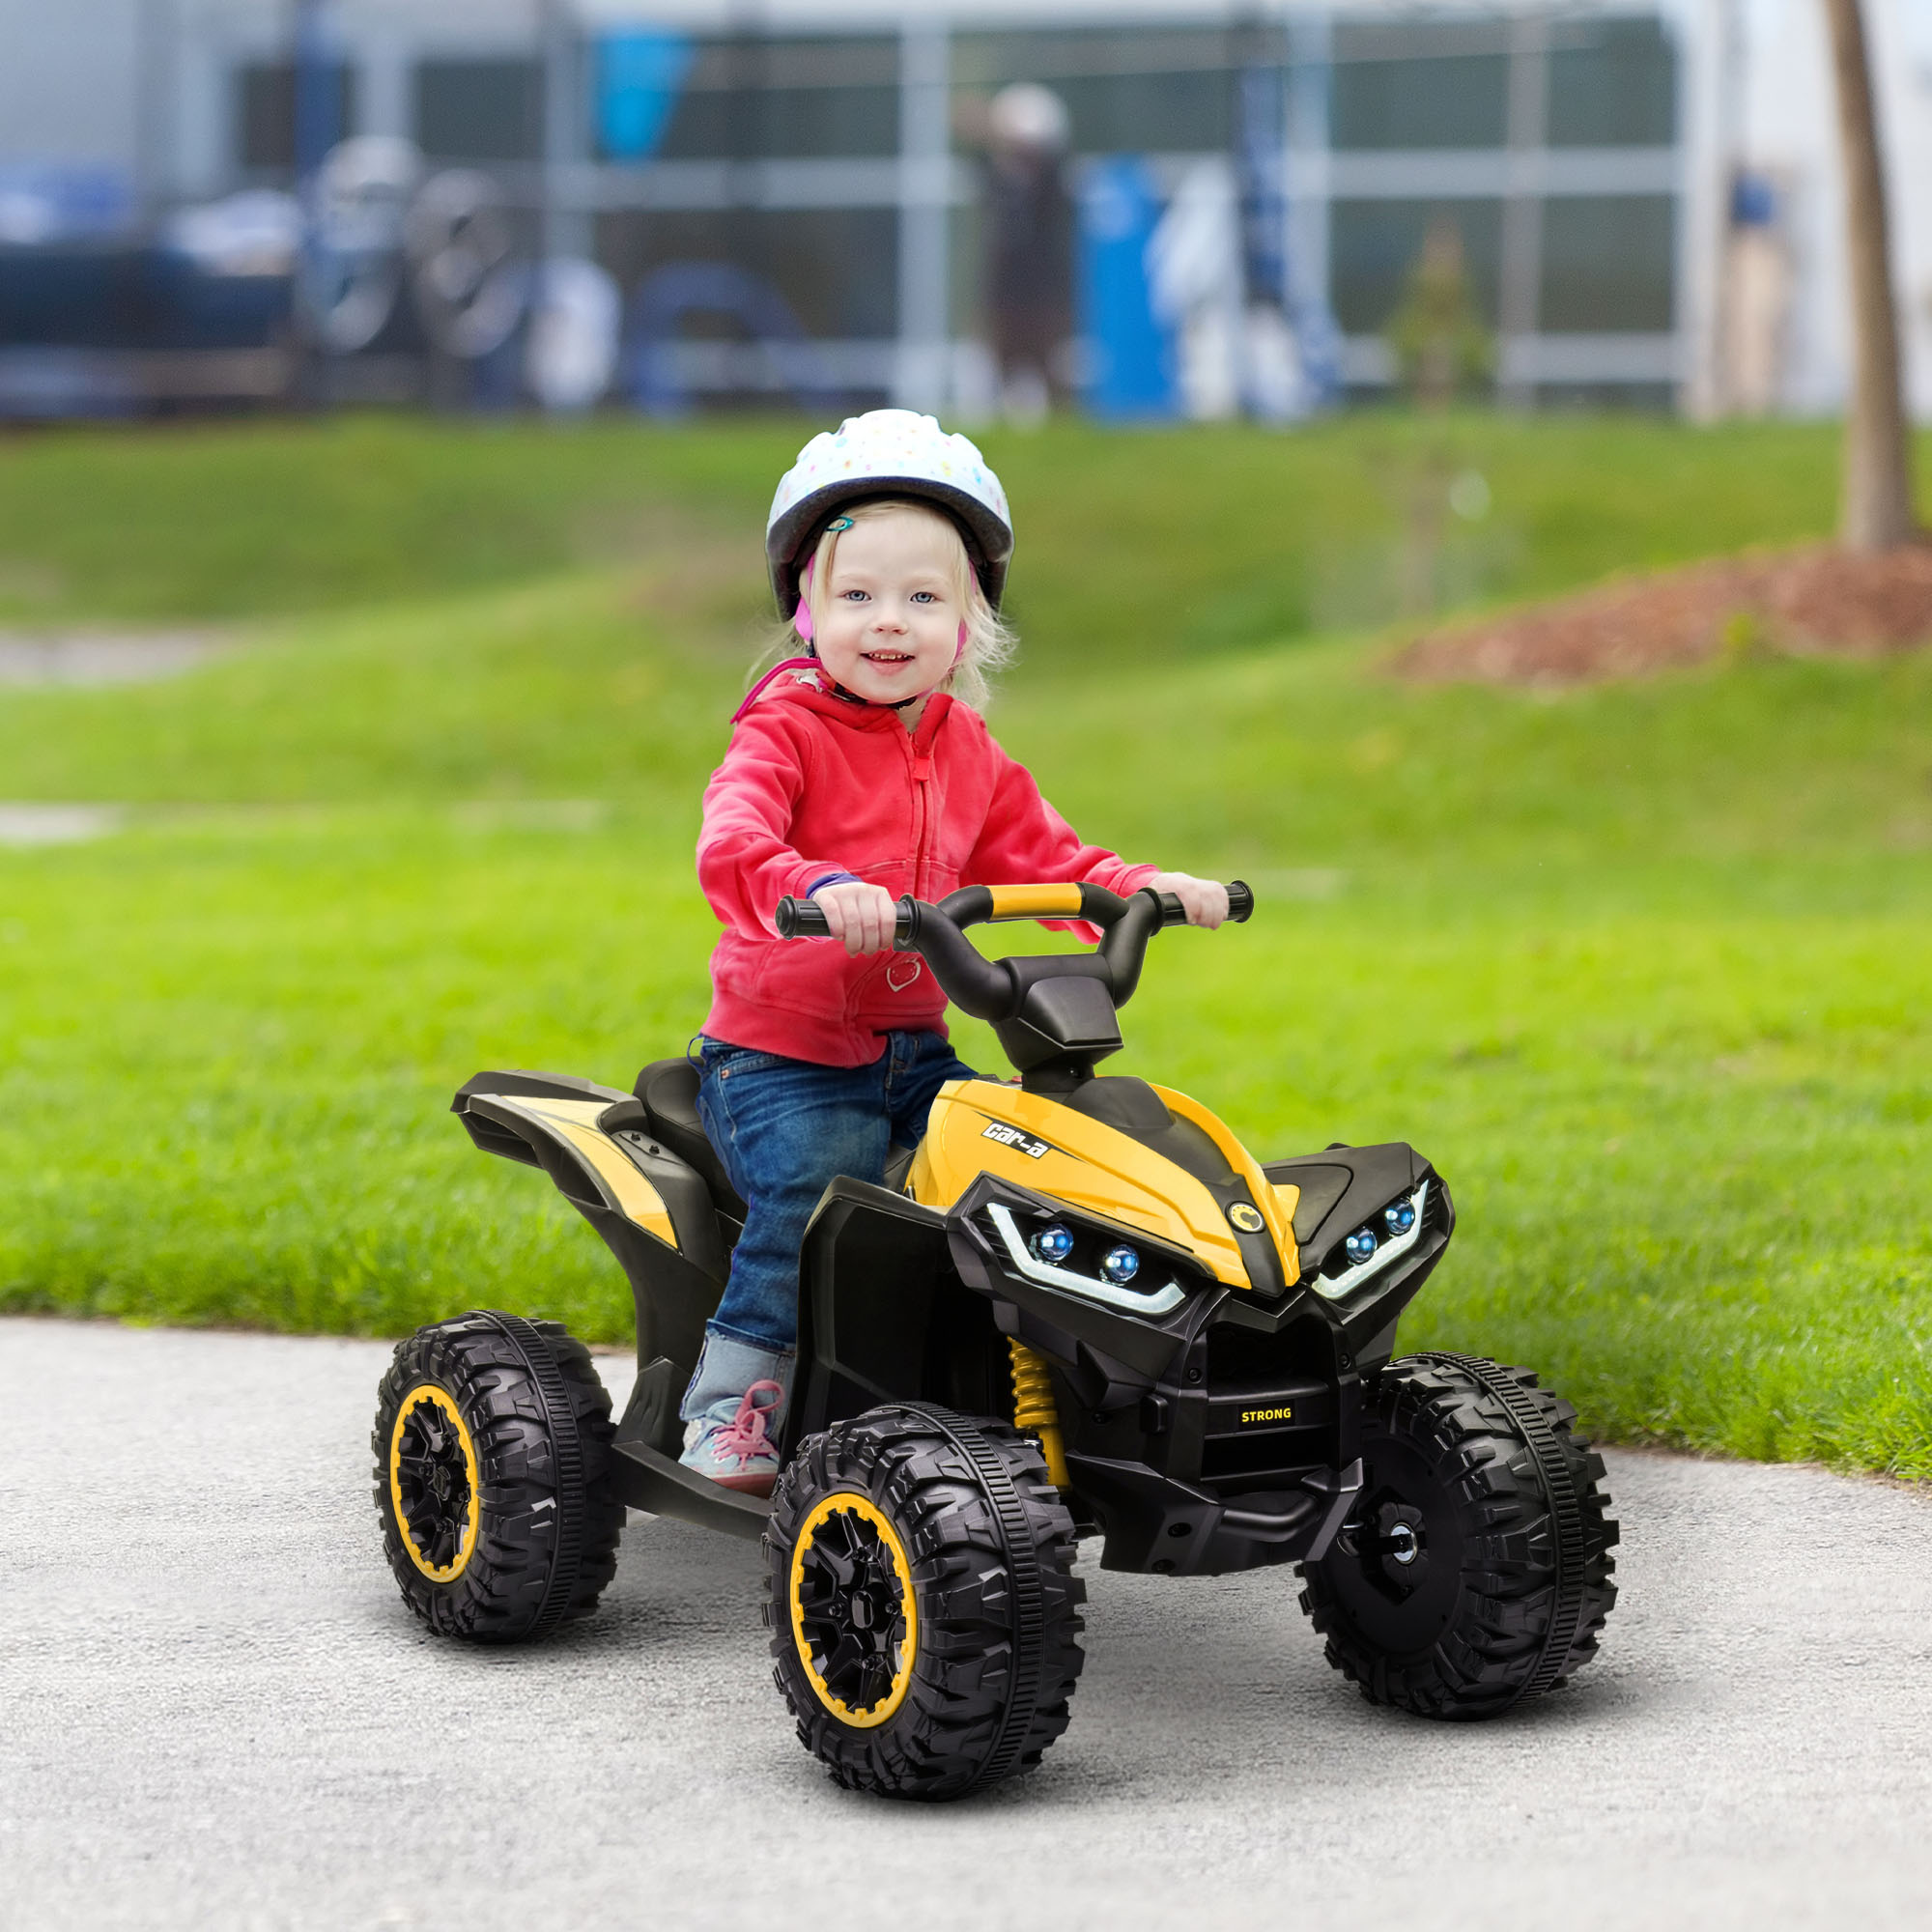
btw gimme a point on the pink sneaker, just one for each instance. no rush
(728, 1442)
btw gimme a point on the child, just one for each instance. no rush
(855, 774)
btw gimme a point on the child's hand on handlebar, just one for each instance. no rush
(1205, 900)
(865, 915)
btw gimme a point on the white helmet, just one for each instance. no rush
(887, 453)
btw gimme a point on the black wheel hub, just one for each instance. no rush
(433, 1479)
(852, 1609)
(1399, 1567)
(1400, 1545)
(1388, 1537)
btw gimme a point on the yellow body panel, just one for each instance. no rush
(1036, 901)
(1088, 1164)
(1277, 1204)
(574, 1122)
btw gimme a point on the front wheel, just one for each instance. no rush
(925, 1618)
(491, 1445)
(1475, 1568)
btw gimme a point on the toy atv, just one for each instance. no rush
(1078, 1306)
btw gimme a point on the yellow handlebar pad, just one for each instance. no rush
(1036, 901)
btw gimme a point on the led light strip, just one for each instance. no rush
(1134, 1300)
(1350, 1279)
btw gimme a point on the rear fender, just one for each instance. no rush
(650, 1208)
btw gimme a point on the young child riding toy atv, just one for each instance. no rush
(918, 1329)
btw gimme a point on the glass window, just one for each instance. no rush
(1454, 100)
(1410, 83)
(788, 100)
(480, 110)
(1149, 113)
(1608, 262)
(264, 112)
(1612, 84)
(1374, 246)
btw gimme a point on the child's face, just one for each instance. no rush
(887, 621)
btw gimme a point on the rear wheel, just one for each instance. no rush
(925, 1618)
(492, 1477)
(1475, 1570)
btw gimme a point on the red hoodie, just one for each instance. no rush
(812, 786)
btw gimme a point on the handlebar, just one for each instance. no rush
(988, 988)
(803, 919)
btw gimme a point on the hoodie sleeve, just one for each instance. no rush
(1026, 841)
(746, 861)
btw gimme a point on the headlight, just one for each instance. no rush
(1045, 1255)
(1053, 1244)
(1366, 1252)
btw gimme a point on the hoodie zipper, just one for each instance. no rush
(920, 762)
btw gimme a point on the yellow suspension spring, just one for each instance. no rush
(1035, 1410)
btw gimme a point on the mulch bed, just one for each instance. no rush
(1802, 602)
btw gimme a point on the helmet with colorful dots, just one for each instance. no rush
(887, 453)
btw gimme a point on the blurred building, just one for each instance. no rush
(790, 196)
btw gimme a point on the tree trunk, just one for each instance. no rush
(1875, 512)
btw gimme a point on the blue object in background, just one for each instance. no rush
(640, 73)
(1130, 363)
(318, 103)
(62, 200)
(1753, 201)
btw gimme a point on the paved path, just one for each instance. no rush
(214, 1712)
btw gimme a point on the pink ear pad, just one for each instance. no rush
(801, 619)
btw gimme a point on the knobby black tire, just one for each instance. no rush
(991, 1547)
(546, 1544)
(1520, 1516)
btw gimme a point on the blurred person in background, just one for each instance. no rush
(1028, 247)
(1757, 297)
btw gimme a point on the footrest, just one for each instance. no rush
(648, 1480)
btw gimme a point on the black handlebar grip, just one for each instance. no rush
(800, 918)
(1240, 903)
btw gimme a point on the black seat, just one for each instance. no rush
(669, 1091)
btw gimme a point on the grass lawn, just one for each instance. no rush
(1642, 969)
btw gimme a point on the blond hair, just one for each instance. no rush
(989, 640)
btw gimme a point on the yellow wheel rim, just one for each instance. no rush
(430, 1444)
(879, 1616)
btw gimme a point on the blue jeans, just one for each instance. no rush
(784, 1128)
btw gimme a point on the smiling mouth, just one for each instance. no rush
(890, 660)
